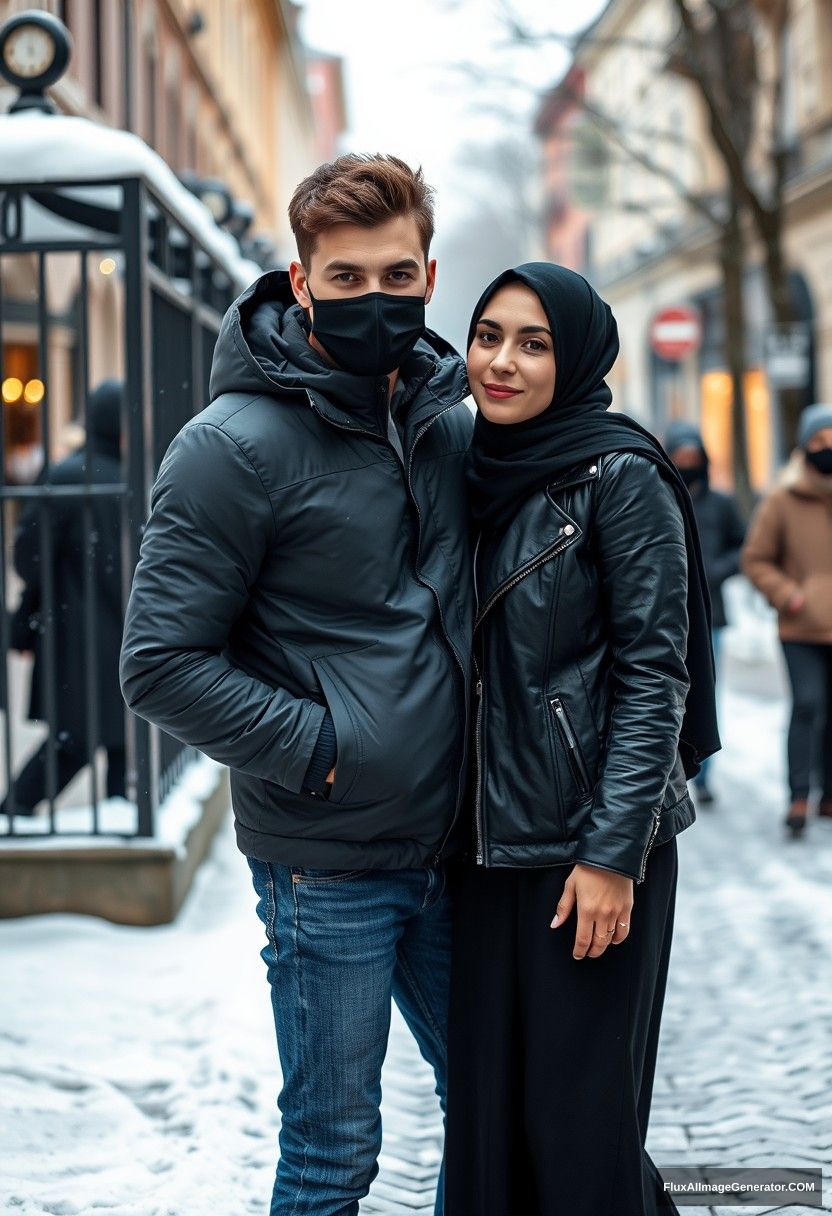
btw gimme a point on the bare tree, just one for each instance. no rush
(717, 49)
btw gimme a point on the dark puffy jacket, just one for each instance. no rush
(721, 532)
(291, 563)
(580, 643)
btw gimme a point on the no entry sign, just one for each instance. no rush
(676, 333)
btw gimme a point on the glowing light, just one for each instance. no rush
(107, 265)
(33, 392)
(12, 389)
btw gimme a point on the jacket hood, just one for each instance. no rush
(263, 347)
(681, 434)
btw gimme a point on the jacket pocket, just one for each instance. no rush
(570, 743)
(349, 755)
(816, 613)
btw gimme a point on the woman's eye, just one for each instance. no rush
(487, 339)
(536, 346)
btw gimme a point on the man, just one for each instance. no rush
(721, 531)
(301, 611)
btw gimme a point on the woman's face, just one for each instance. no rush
(511, 362)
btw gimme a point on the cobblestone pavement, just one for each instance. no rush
(745, 1063)
(138, 1069)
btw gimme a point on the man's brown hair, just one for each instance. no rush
(364, 190)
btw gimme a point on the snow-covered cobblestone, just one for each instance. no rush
(138, 1071)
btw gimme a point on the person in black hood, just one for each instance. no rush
(302, 611)
(595, 701)
(71, 677)
(721, 534)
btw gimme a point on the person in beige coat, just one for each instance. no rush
(788, 557)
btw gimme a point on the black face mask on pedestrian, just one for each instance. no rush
(696, 476)
(822, 461)
(371, 334)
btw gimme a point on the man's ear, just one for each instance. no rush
(297, 277)
(431, 276)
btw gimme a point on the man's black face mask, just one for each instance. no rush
(371, 334)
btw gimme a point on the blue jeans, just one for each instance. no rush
(340, 945)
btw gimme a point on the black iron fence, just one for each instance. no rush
(96, 281)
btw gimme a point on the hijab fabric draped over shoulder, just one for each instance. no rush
(510, 462)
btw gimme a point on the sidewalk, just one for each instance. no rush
(138, 1071)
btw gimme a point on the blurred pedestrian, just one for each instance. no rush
(788, 557)
(595, 701)
(721, 535)
(29, 621)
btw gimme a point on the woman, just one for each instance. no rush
(788, 557)
(590, 596)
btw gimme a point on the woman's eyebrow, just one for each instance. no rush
(527, 329)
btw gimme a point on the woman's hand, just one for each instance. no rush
(605, 902)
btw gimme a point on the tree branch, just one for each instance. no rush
(733, 161)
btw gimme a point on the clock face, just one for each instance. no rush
(28, 51)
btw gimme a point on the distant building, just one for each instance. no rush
(648, 250)
(325, 78)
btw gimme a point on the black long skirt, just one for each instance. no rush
(552, 1059)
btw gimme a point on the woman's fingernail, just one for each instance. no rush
(555, 923)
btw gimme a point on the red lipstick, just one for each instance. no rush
(500, 392)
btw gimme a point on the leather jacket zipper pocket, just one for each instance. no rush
(571, 744)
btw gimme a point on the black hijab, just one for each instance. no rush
(508, 463)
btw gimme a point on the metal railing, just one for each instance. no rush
(170, 295)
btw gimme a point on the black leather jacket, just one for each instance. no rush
(580, 645)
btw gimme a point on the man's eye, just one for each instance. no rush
(401, 276)
(346, 276)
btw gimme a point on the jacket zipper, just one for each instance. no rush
(569, 736)
(479, 821)
(522, 573)
(653, 833)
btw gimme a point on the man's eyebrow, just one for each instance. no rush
(527, 329)
(343, 266)
(352, 268)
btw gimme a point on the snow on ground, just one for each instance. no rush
(138, 1065)
(138, 1070)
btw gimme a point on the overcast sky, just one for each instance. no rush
(406, 94)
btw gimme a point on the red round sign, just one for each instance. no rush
(676, 333)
